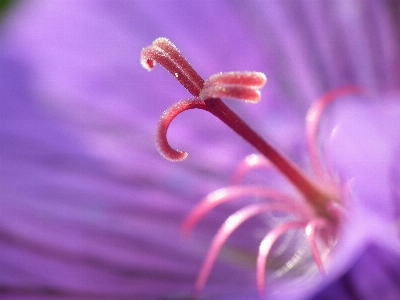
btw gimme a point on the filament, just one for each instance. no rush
(311, 229)
(321, 209)
(313, 119)
(228, 227)
(265, 248)
(225, 195)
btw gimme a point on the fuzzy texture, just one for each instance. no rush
(88, 208)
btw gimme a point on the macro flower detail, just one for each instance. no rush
(317, 208)
(90, 210)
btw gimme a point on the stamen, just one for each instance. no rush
(337, 210)
(320, 211)
(265, 248)
(251, 162)
(171, 60)
(228, 227)
(224, 195)
(310, 230)
(317, 197)
(313, 119)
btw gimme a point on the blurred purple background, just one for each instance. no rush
(90, 210)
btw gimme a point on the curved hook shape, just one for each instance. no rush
(161, 134)
(165, 53)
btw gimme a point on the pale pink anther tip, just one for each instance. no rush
(173, 155)
(166, 150)
(161, 40)
(148, 64)
(262, 78)
(145, 60)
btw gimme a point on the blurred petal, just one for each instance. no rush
(89, 209)
(375, 275)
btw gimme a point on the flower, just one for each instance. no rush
(89, 209)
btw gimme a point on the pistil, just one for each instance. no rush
(318, 215)
(243, 86)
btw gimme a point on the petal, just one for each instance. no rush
(87, 206)
(375, 275)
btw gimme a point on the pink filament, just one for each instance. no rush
(228, 194)
(165, 53)
(311, 229)
(251, 162)
(228, 227)
(313, 119)
(265, 248)
(245, 86)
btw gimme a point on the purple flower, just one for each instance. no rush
(88, 208)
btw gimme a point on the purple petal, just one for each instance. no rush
(89, 209)
(375, 275)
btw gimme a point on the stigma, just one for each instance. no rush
(317, 208)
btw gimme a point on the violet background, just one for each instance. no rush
(88, 208)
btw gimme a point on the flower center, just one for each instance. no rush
(319, 212)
